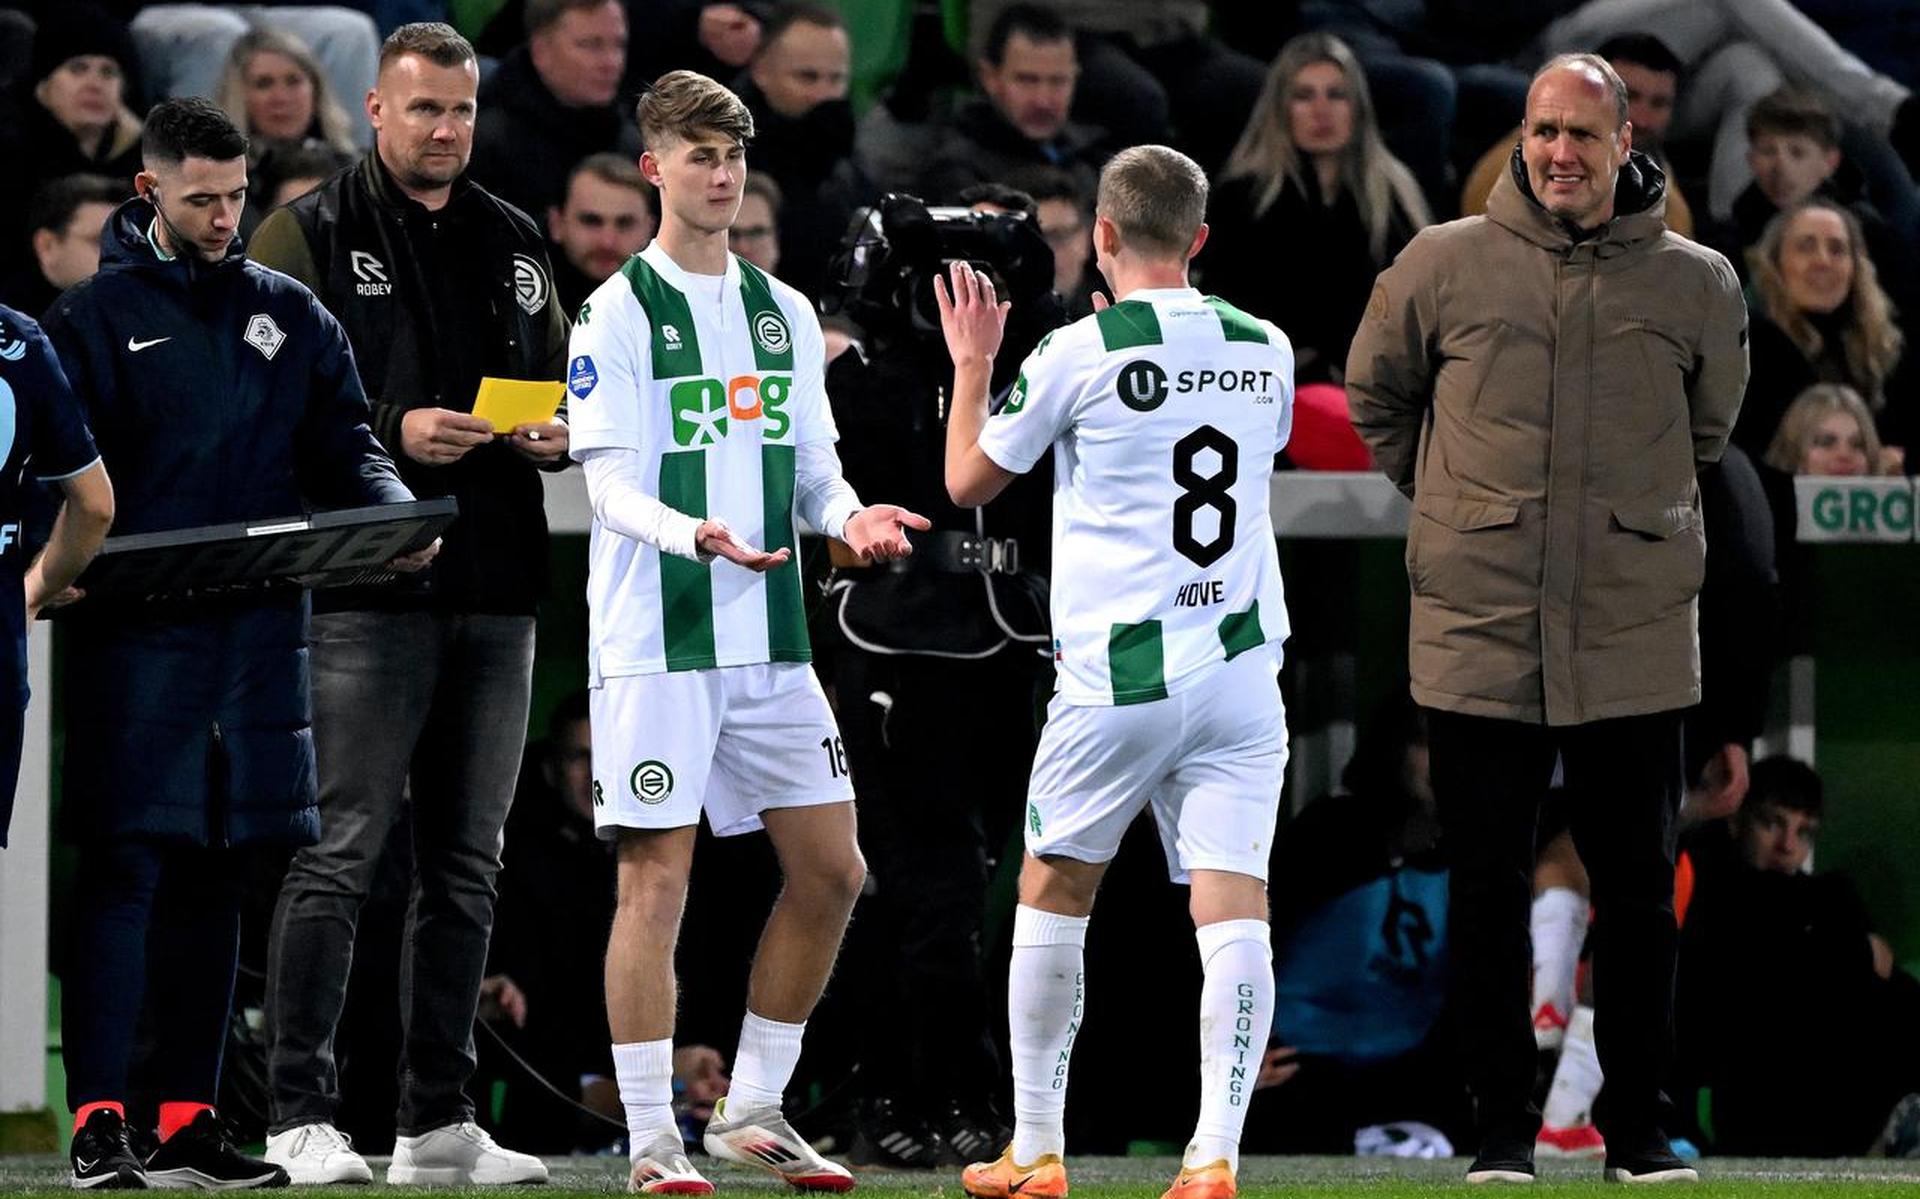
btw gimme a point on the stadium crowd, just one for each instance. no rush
(445, 866)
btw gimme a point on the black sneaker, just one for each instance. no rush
(1502, 1159)
(1646, 1158)
(974, 1136)
(202, 1156)
(102, 1159)
(892, 1139)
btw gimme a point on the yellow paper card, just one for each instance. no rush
(509, 403)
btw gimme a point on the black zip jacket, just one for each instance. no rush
(432, 301)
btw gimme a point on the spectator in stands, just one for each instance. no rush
(1821, 316)
(1150, 72)
(1027, 68)
(606, 218)
(184, 47)
(717, 40)
(439, 283)
(74, 117)
(1066, 221)
(188, 746)
(796, 89)
(289, 172)
(755, 233)
(1652, 75)
(554, 101)
(1827, 431)
(1793, 148)
(1769, 949)
(1312, 207)
(275, 91)
(1436, 67)
(550, 933)
(1360, 957)
(64, 224)
(1738, 51)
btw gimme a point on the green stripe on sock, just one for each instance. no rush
(1136, 661)
(1237, 325)
(766, 324)
(786, 614)
(686, 587)
(1240, 631)
(676, 345)
(1128, 323)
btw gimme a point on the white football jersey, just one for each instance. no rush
(714, 380)
(1164, 413)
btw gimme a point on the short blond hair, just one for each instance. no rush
(1156, 197)
(684, 104)
(1809, 408)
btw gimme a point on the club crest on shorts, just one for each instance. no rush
(529, 284)
(651, 782)
(771, 332)
(263, 335)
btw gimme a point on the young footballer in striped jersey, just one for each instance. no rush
(698, 410)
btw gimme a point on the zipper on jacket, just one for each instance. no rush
(217, 788)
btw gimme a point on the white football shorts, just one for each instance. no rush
(732, 741)
(1210, 761)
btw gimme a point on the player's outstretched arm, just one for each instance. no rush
(973, 320)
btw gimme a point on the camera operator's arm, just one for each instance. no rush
(973, 322)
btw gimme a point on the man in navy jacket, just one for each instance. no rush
(218, 390)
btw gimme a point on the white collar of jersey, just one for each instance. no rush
(1150, 294)
(684, 279)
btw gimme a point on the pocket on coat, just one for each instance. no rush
(1456, 540)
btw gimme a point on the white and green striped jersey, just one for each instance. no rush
(1164, 413)
(714, 381)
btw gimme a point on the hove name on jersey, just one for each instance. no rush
(1200, 593)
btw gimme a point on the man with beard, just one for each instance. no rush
(797, 91)
(605, 218)
(438, 283)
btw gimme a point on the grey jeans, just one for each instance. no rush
(440, 702)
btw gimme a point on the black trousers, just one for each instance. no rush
(940, 750)
(178, 907)
(1625, 781)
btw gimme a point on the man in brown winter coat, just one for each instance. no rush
(1544, 381)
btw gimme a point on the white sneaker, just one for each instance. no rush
(661, 1168)
(460, 1153)
(317, 1155)
(763, 1138)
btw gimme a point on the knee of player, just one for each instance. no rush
(836, 880)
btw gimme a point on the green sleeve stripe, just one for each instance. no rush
(676, 345)
(1237, 325)
(1240, 632)
(686, 587)
(786, 613)
(1128, 323)
(1136, 662)
(767, 326)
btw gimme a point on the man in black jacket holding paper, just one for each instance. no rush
(422, 692)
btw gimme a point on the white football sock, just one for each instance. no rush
(763, 1065)
(644, 1070)
(1046, 997)
(1559, 923)
(1236, 1018)
(1577, 1078)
